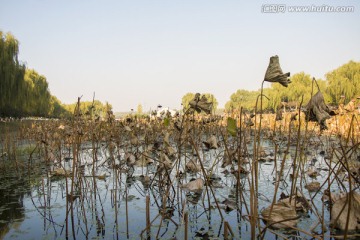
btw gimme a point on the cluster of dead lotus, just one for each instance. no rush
(176, 147)
(316, 110)
(287, 211)
(142, 143)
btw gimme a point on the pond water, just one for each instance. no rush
(111, 203)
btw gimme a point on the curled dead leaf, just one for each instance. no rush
(194, 186)
(191, 166)
(313, 186)
(274, 72)
(211, 142)
(340, 211)
(283, 213)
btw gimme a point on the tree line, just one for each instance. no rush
(340, 86)
(24, 92)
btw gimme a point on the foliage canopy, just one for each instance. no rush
(343, 81)
(24, 92)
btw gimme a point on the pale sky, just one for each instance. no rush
(153, 52)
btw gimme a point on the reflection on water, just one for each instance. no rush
(111, 203)
(42, 212)
(12, 213)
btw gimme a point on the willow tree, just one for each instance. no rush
(23, 92)
(344, 81)
(11, 76)
(95, 108)
(242, 98)
(37, 93)
(58, 109)
(300, 88)
(276, 96)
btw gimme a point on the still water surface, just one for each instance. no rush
(33, 203)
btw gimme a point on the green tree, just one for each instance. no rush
(301, 85)
(344, 81)
(58, 109)
(94, 108)
(38, 95)
(242, 98)
(186, 99)
(11, 76)
(23, 92)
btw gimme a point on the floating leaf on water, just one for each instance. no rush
(214, 177)
(141, 162)
(130, 159)
(191, 166)
(334, 196)
(145, 180)
(193, 197)
(313, 186)
(43, 207)
(339, 212)
(298, 201)
(203, 234)
(195, 185)
(101, 177)
(60, 172)
(216, 184)
(211, 142)
(170, 151)
(229, 205)
(280, 212)
(242, 171)
(71, 197)
(311, 172)
(261, 151)
(131, 197)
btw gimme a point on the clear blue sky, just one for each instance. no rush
(153, 52)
